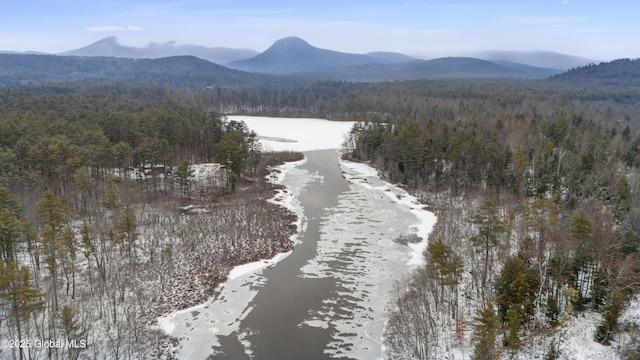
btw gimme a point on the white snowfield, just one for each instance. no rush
(296, 134)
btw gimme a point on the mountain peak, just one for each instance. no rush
(291, 41)
(102, 47)
(289, 44)
(109, 40)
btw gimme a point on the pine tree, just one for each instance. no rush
(516, 297)
(516, 288)
(231, 152)
(82, 183)
(485, 331)
(53, 217)
(489, 227)
(585, 262)
(126, 231)
(445, 266)
(72, 331)
(69, 248)
(111, 198)
(183, 174)
(10, 234)
(11, 225)
(23, 297)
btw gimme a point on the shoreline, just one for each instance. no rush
(396, 193)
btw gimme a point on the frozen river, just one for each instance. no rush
(327, 299)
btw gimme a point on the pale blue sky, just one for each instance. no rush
(600, 30)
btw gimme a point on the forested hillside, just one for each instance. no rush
(176, 72)
(622, 70)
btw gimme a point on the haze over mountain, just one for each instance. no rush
(292, 55)
(110, 46)
(545, 59)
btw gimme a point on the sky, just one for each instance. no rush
(595, 29)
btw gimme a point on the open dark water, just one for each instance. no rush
(286, 299)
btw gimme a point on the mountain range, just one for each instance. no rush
(293, 55)
(289, 60)
(110, 46)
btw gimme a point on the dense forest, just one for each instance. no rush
(105, 223)
(538, 208)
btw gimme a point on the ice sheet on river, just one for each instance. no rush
(357, 247)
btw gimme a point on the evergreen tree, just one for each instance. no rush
(485, 331)
(111, 198)
(69, 248)
(11, 226)
(585, 259)
(53, 217)
(183, 173)
(515, 296)
(22, 296)
(489, 227)
(73, 331)
(445, 266)
(127, 233)
(231, 152)
(10, 234)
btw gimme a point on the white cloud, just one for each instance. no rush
(564, 2)
(111, 28)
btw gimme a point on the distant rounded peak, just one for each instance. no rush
(290, 41)
(109, 39)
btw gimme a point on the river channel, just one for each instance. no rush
(329, 298)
